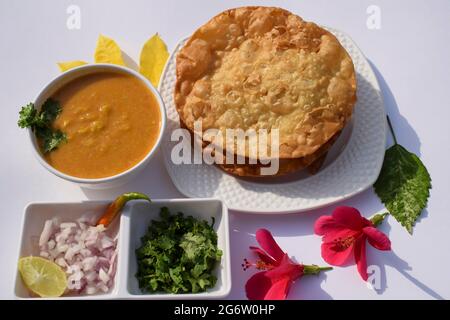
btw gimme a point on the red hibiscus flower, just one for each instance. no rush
(279, 270)
(345, 233)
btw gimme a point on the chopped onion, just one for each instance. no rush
(46, 233)
(84, 251)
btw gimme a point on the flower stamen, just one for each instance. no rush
(343, 243)
(258, 264)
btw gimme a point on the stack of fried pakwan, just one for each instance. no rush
(256, 68)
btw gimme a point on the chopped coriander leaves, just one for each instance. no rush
(53, 139)
(178, 255)
(50, 110)
(40, 123)
(27, 116)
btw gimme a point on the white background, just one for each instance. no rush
(410, 54)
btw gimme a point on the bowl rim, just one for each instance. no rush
(99, 67)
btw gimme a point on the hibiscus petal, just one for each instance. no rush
(268, 244)
(286, 268)
(326, 224)
(263, 256)
(360, 257)
(262, 287)
(332, 230)
(279, 289)
(349, 217)
(377, 239)
(335, 255)
(257, 286)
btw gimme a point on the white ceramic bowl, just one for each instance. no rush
(68, 76)
(129, 229)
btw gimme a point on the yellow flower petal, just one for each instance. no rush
(67, 65)
(154, 55)
(108, 51)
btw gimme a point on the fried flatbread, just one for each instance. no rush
(312, 162)
(266, 68)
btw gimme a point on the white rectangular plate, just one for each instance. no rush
(129, 228)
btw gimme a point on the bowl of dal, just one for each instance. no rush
(113, 119)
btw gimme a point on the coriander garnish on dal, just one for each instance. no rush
(41, 123)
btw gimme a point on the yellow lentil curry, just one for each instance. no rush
(111, 120)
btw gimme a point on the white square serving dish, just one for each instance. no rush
(129, 229)
(33, 221)
(134, 224)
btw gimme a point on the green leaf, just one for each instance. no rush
(27, 116)
(41, 123)
(50, 110)
(53, 140)
(403, 185)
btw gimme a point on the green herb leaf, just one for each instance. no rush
(178, 254)
(27, 116)
(403, 185)
(41, 123)
(50, 110)
(53, 140)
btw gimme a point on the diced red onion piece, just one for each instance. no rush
(84, 251)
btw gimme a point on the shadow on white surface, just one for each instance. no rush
(401, 125)
(391, 259)
(129, 62)
(153, 181)
(309, 288)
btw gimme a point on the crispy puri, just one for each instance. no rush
(266, 68)
(312, 162)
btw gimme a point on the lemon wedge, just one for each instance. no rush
(43, 277)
